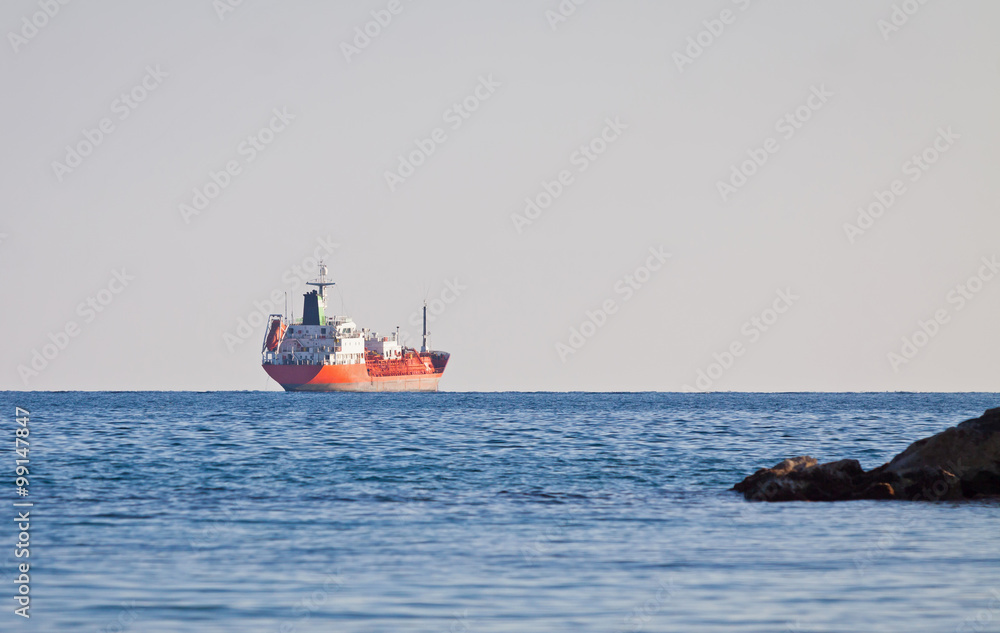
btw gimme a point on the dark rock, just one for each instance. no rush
(962, 462)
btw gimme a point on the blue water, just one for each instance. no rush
(204, 512)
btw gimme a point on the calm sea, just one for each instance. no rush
(275, 512)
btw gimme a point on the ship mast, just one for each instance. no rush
(423, 346)
(321, 283)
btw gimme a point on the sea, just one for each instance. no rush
(480, 512)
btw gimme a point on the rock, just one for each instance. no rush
(966, 456)
(803, 479)
(962, 462)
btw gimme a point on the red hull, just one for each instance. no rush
(413, 373)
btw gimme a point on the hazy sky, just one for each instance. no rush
(405, 156)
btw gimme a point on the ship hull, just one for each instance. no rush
(347, 378)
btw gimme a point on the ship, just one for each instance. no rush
(330, 353)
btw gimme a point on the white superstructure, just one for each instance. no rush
(333, 341)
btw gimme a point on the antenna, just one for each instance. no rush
(423, 346)
(321, 282)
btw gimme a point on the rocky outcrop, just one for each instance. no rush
(962, 462)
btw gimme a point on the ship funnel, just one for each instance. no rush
(314, 309)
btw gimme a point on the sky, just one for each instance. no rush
(732, 195)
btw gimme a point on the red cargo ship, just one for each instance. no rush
(320, 353)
